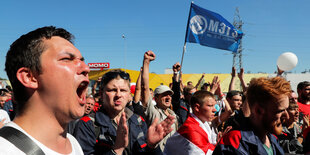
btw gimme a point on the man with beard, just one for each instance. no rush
(303, 90)
(268, 100)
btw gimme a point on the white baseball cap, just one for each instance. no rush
(161, 89)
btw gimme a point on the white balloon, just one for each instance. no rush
(287, 61)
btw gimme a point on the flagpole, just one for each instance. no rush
(184, 47)
(125, 50)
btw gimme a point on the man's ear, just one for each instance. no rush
(228, 100)
(258, 109)
(27, 78)
(197, 107)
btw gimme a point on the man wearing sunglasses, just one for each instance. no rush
(119, 130)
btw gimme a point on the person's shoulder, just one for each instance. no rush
(184, 105)
(7, 147)
(3, 112)
(136, 119)
(76, 148)
(102, 119)
(299, 103)
(150, 108)
(191, 128)
(171, 112)
(85, 118)
(232, 138)
(302, 104)
(304, 108)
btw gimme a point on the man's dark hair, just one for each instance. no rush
(114, 74)
(9, 88)
(232, 93)
(302, 85)
(204, 86)
(2, 92)
(26, 52)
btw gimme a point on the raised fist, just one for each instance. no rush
(149, 55)
(176, 67)
(233, 72)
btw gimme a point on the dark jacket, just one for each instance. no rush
(244, 142)
(84, 132)
(180, 106)
(289, 140)
(235, 121)
(9, 108)
(103, 142)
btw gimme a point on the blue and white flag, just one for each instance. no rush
(208, 28)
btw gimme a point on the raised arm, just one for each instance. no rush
(280, 72)
(176, 70)
(96, 85)
(137, 95)
(233, 78)
(214, 85)
(228, 111)
(199, 81)
(181, 82)
(241, 78)
(145, 93)
(176, 86)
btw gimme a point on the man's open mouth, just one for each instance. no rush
(82, 90)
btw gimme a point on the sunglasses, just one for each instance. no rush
(107, 77)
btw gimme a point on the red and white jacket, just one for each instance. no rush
(193, 137)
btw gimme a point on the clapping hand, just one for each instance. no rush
(157, 132)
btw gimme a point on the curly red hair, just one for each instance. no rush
(261, 90)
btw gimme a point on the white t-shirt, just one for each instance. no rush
(4, 115)
(7, 147)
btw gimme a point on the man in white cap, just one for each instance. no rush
(162, 98)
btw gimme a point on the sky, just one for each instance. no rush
(270, 27)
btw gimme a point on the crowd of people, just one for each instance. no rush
(48, 109)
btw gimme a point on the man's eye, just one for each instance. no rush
(281, 111)
(66, 59)
(111, 90)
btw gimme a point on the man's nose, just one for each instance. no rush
(84, 68)
(286, 115)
